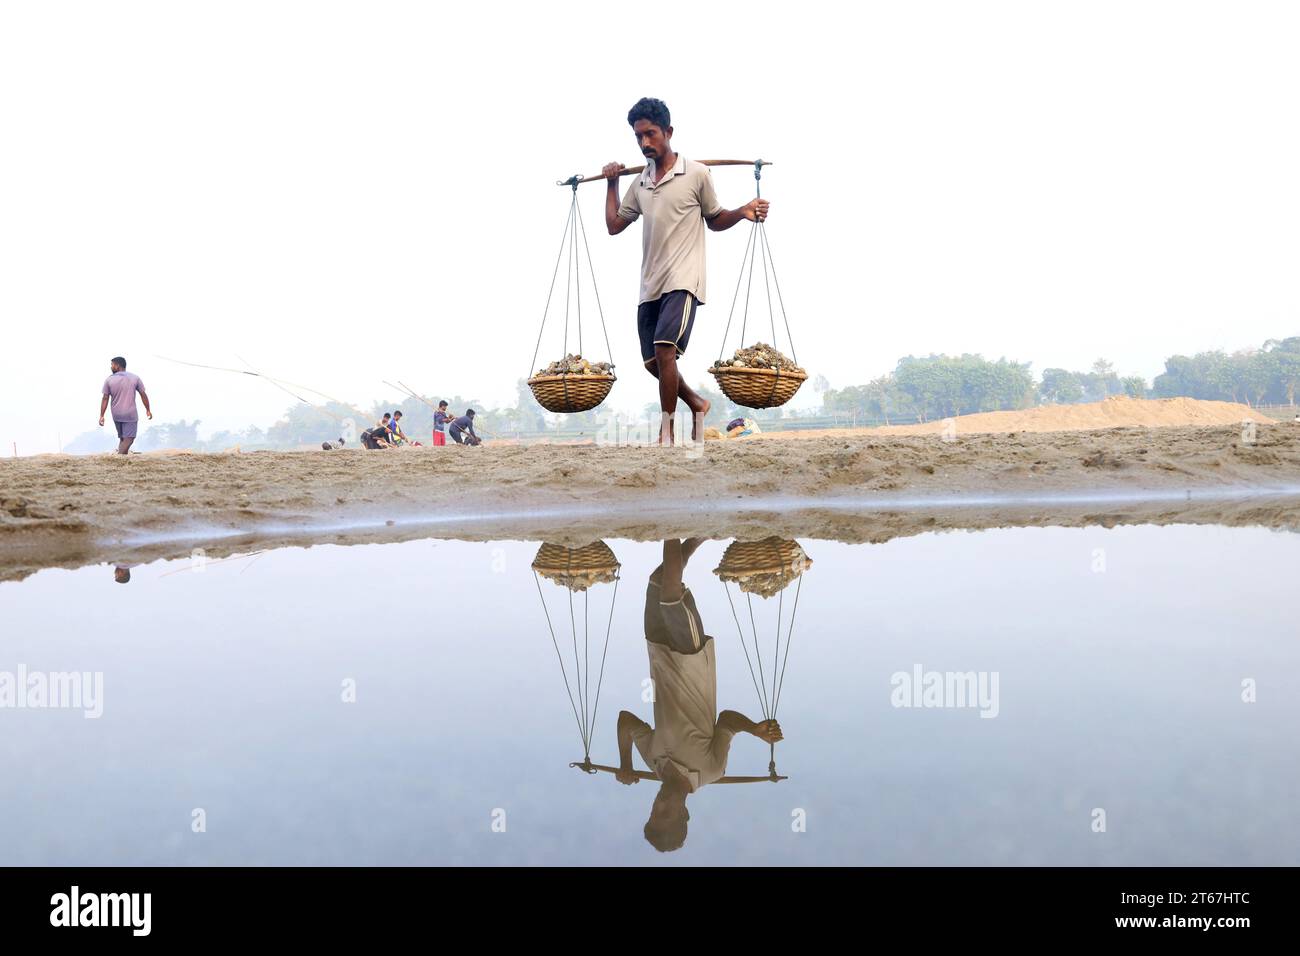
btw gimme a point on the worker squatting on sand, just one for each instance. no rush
(676, 198)
(462, 430)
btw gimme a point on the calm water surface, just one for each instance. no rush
(422, 703)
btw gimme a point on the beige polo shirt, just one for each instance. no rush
(686, 732)
(672, 236)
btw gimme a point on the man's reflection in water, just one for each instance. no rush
(688, 745)
(122, 573)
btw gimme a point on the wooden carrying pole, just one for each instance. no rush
(588, 767)
(634, 170)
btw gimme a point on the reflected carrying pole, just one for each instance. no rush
(586, 766)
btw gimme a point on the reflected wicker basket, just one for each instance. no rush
(577, 568)
(570, 391)
(763, 567)
(758, 387)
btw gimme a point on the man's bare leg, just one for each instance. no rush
(669, 380)
(666, 357)
(124, 445)
(670, 579)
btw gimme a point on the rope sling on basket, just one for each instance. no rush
(573, 384)
(578, 570)
(766, 568)
(758, 377)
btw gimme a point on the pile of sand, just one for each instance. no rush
(1118, 411)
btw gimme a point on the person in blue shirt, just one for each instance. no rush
(395, 429)
(462, 430)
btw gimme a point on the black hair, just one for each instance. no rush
(667, 838)
(386, 415)
(443, 403)
(470, 413)
(648, 108)
(397, 414)
(118, 360)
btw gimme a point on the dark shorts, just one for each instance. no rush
(665, 321)
(676, 626)
(126, 429)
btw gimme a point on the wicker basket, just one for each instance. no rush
(577, 568)
(758, 387)
(763, 567)
(570, 392)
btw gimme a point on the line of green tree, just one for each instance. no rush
(1265, 376)
(941, 386)
(936, 386)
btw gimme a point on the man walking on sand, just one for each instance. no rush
(120, 387)
(676, 197)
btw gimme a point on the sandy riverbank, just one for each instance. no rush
(65, 510)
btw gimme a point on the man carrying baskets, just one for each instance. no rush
(675, 196)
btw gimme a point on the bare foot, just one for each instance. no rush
(697, 426)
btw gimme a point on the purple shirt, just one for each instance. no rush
(122, 386)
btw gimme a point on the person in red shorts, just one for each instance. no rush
(440, 421)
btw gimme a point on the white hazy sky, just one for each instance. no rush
(343, 193)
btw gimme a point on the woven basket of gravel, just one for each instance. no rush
(570, 392)
(758, 387)
(763, 567)
(577, 568)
